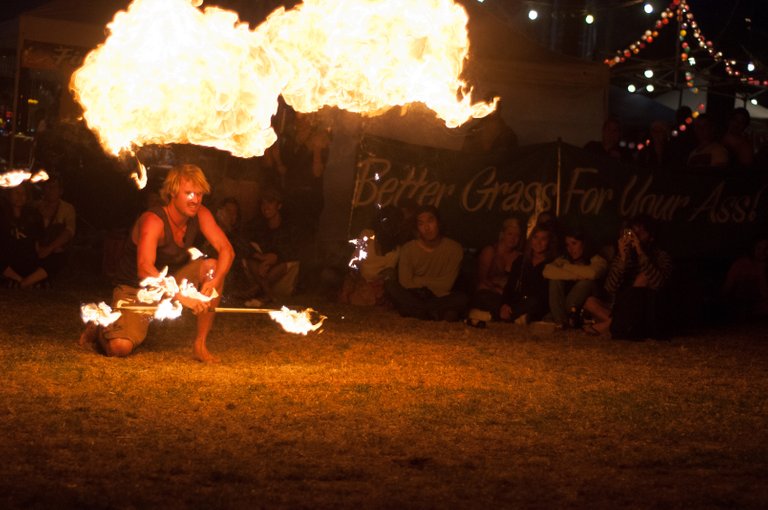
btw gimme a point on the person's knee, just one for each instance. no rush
(207, 268)
(119, 347)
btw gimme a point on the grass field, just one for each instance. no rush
(376, 412)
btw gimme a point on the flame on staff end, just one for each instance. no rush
(170, 73)
(100, 314)
(13, 178)
(361, 247)
(296, 322)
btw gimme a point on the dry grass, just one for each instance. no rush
(377, 411)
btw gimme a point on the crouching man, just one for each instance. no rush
(162, 236)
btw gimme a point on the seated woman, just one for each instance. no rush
(494, 265)
(573, 278)
(525, 295)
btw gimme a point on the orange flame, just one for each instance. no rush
(100, 314)
(296, 322)
(13, 178)
(170, 73)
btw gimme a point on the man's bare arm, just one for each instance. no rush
(220, 242)
(150, 229)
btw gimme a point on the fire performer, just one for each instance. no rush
(162, 237)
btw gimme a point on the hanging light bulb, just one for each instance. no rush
(533, 14)
(650, 87)
(589, 19)
(648, 73)
(631, 88)
(750, 67)
(648, 8)
(753, 101)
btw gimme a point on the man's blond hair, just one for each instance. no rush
(192, 173)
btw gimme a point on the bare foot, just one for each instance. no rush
(90, 336)
(201, 353)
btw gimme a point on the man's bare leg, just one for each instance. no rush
(204, 325)
(114, 348)
(38, 275)
(205, 319)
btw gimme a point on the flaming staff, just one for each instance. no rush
(158, 293)
(292, 321)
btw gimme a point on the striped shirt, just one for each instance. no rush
(656, 266)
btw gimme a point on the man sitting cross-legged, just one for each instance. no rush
(162, 237)
(426, 273)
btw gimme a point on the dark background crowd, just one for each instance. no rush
(536, 271)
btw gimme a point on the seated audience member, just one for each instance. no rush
(21, 229)
(426, 273)
(610, 143)
(494, 265)
(745, 289)
(364, 284)
(740, 148)
(228, 218)
(709, 152)
(526, 292)
(637, 273)
(573, 278)
(59, 221)
(273, 266)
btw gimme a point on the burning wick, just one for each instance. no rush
(140, 176)
(361, 248)
(195, 254)
(13, 178)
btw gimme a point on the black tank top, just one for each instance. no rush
(168, 252)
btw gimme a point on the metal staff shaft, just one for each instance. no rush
(148, 308)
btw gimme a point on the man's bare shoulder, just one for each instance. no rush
(149, 219)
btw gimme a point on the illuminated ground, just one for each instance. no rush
(377, 411)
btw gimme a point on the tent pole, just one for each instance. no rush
(16, 87)
(676, 77)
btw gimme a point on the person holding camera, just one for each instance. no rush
(637, 273)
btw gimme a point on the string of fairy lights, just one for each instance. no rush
(679, 13)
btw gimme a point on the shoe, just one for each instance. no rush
(522, 320)
(477, 314)
(475, 323)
